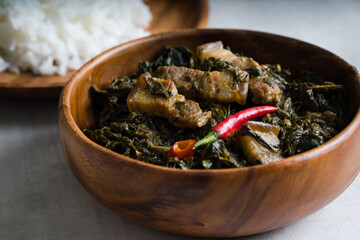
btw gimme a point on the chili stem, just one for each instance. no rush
(210, 138)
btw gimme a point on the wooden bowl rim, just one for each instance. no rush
(64, 106)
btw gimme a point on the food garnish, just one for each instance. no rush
(182, 149)
(233, 123)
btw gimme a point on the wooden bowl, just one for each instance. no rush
(210, 203)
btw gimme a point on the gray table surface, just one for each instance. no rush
(40, 199)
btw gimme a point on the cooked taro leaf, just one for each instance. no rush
(187, 163)
(105, 105)
(253, 72)
(217, 155)
(135, 137)
(311, 112)
(216, 64)
(156, 88)
(121, 86)
(220, 111)
(307, 131)
(212, 156)
(183, 107)
(276, 75)
(98, 136)
(171, 56)
(110, 103)
(312, 93)
(299, 133)
(113, 112)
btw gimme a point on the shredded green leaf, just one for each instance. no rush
(312, 111)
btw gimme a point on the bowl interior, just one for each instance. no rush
(263, 47)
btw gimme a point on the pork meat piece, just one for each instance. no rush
(214, 86)
(263, 90)
(216, 50)
(159, 97)
(259, 146)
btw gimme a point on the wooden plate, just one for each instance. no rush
(167, 15)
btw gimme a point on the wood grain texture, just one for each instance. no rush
(211, 203)
(167, 15)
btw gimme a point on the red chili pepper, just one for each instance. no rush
(182, 149)
(233, 123)
(186, 148)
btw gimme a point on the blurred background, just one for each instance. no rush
(330, 24)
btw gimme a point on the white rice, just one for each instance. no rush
(52, 36)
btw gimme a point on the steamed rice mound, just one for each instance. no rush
(52, 36)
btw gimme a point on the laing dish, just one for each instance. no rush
(184, 96)
(210, 202)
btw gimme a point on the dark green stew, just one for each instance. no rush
(181, 95)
